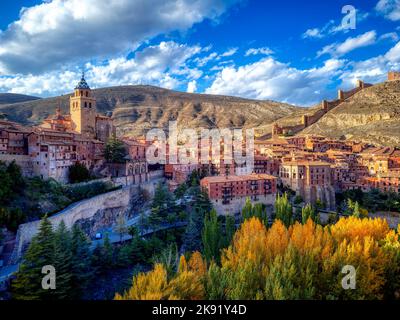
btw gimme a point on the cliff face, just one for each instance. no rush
(137, 109)
(371, 115)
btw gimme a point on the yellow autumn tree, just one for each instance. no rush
(352, 228)
(302, 261)
(369, 261)
(197, 264)
(245, 261)
(186, 286)
(147, 286)
(154, 285)
(248, 246)
(182, 264)
(277, 240)
(312, 239)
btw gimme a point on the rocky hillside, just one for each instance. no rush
(371, 115)
(136, 109)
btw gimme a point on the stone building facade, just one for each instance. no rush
(312, 180)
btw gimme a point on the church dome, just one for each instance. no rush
(82, 84)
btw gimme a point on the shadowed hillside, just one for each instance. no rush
(7, 98)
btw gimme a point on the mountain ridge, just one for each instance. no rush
(137, 109)
(371, 115)
(10, 98)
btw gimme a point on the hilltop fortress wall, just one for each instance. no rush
(326, 106)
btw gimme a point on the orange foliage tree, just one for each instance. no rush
(295, 262)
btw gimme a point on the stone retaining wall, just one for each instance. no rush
(117, 201)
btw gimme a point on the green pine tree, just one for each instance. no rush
(284, 210)
(40, 253)
(63, 263)
(81, 261)
(192, 237)
(230, 230)
(307, 212)
(108, 252)
(212, 236)
(356, 210)
(247, 210)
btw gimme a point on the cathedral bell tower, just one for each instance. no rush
(83, 110)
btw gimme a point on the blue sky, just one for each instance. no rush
(290, 51)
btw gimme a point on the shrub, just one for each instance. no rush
(78, 173)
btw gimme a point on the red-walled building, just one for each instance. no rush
(228, 194)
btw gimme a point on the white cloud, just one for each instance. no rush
(163, 65)
(214, 56)
(393, 55)
(53, 33)
(390, 9)
(192, 86)
(201, 62)
(350, 44)
(271, 79)
(390, 35)
(255, 51)
(168, 65)
(373, 70)
(230, 52)
(331, 27)
(313, 33)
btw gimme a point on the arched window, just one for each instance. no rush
(87, 93)
(90, 105)
(85, 104)
(81, 94)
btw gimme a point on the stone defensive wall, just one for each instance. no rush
(326, 106)
(117, 201)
